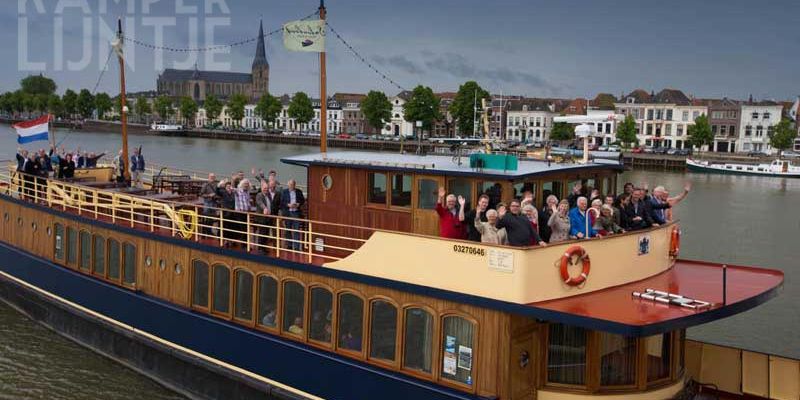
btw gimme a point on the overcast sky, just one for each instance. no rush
(564, 48)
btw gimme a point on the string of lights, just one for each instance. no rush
(103, 71)
(363, 59)
(208, 48)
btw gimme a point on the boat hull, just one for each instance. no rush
(693, 167)
(200, 356)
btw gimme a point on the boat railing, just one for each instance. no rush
(299, 239)
(154, 170)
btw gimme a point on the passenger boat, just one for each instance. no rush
(167, 129)
(777, 168)
(362, 299)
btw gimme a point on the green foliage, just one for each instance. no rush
(700, 133)
(422, 106)
(54, 105)
(70, 102)
(462, 108)
(300, 108)
(163, 107)
(268, 108)
(213, 107)
(85, 103)
(38, 85)
(604, 101)
(236, 108)
(377, 109)
(626, 132)
(562, 131)
(142, 107)
(102, 103)
(782, 137)
(188, 110)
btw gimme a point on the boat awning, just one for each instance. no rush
(617, 310)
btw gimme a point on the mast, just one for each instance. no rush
(123, 114)
(323, 98)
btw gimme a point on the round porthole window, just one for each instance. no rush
(34, 226)
(148, 261)
(49, 231)
(178, 269)
(162, 264)
(327, 182)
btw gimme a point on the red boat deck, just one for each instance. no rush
(746, 288)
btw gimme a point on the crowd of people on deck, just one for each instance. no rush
(585, 213)
(270, 201)
(34, 167)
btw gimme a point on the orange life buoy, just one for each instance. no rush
(566, 261)
(675, 242)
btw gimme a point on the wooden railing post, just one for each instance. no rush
(278, 236)
(152, 218)
(247, 227)
(221, 227)
(308, 242)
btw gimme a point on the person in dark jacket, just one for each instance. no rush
(137, 167)
(518, 228)
(227, 201)
(66, 167)
(550, 206)
(469, 219)
(638, 212)
(291, 201)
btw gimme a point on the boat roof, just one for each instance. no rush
(617, 310)
(443, 165)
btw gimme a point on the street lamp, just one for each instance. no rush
(419, 136)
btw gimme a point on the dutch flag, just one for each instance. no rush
(33, 130)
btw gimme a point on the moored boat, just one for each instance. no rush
(167, 129)
(777, 168)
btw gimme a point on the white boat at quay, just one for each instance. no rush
(167, 128)
(783, 168)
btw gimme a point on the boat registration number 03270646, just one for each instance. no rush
(475, 251)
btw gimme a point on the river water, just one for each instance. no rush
(727, 219)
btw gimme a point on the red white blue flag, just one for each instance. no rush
(33, 130)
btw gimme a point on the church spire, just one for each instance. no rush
(261, 51)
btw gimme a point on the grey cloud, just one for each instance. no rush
(459, 67)
(400, 62)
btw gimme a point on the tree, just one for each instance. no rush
(300, 108)
(377, 109)
(188, 110)
(54, 105)
(163, 106)
(38, 84)
(700, 133)
(462, 109)
(213, 107)
(782, 137)
(604, 101)
(236, 108)
(102, 103)
(626, 132)
(562, 131)
(85, 103)
(142, 107)
(70, 102)
(422, 106)
(268, 108)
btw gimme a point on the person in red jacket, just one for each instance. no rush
(451, 216)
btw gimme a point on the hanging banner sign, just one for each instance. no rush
(304, 36)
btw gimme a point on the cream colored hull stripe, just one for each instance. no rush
(158, 339)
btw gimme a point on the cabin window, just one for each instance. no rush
(294, 298)
(244, 294)
(199, 284)
(522, 187)
(72, 246)
(461, 187)
(86, 250)
(59, 242)
(566, 354)
(321, 315)
(658, 349)
(377, 188)
(493, 190)
(458, 335)
(221, 289)
(351, 322)
(129, 263)
(548, 188)
(383, 330)
(99, 255)
(428, 193)
(401, 190)
(267, 301)
(617, 360)
(113, 259)
(418, 340)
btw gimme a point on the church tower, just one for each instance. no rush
(260, 71)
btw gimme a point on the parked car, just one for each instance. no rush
(594, 147)
(660, 150)
(672, 151)
(602, 148)
(683, 152)
(614, 148)
(343, 136)
(757, 154)
(361, 136)
(638, 150)
(790, 154)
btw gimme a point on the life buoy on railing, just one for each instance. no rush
(675, 242)
(187, 230)
(566, 260)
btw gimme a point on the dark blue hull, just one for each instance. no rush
(298, 366)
